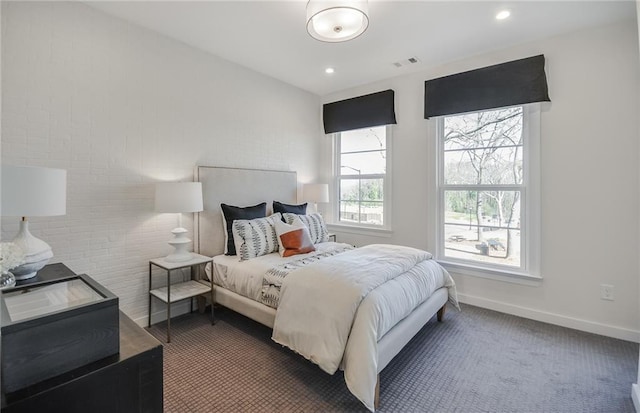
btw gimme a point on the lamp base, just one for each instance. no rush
(37, 253)
(29, 269)
(181, 244)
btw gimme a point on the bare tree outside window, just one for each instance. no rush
(483, 177)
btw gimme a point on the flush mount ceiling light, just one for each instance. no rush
(337, 21)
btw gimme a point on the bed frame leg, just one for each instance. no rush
(441, 312)
(376, 399)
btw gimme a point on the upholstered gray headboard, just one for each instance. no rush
(240, 187)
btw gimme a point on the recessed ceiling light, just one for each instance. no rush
(503, 14)
(329, 70)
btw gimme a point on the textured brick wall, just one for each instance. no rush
(120, 107)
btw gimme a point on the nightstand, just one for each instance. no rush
(126, 382)
(172, 293)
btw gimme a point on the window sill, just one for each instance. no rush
(352, 229)
(514, 277)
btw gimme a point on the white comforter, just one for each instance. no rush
(335, 311)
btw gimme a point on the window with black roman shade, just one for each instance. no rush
(360, 112)
(506, 84)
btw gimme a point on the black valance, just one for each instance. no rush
(506, 84)
(361, 112)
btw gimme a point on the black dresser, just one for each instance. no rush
(130, 381)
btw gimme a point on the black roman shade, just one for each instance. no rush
(506, 84)
(360, 112)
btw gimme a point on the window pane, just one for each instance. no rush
(363, 139)
(484, 166)
(366, 212)
(363, 163)
(349, 189)
(372, 190)
(488, 129)
(484, 148)
(349, 212)
(483, 226)
(362, 189)
(361, 201)
(371, 213)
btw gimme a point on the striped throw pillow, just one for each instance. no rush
(255, 237)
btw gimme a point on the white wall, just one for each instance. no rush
(589, 182)
(120, 108)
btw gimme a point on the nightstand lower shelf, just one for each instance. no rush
(181, 291)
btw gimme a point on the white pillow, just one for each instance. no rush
(255, 237)
(315, 223)
(293, 238)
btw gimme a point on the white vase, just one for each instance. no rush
(7, 280)
(37, 253)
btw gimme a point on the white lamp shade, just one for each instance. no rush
(30, 191)
(315, 192)
(337, 20)
(178, 197)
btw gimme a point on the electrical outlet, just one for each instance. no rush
(606, 292)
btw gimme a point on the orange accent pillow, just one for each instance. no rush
(293, 238)
(296, 242)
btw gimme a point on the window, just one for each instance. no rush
(362, 164)
(487, 186)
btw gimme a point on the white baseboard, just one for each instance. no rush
(158, 316)
(551, 318)
(635, 395)
(142, 321)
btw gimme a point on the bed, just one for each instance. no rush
(358, 327)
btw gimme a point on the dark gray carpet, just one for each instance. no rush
(475, 361)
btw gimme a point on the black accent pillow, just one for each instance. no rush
(287, 208)
(231, 213)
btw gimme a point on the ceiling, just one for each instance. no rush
(270, 36)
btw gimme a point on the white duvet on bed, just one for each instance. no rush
(335, 311)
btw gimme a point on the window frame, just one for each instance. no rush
(386, 188)
(529, 270)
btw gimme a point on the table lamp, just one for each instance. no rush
(315, 193)
(29, 191)
(179, 197)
